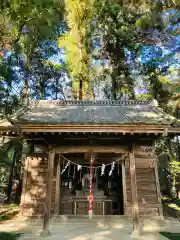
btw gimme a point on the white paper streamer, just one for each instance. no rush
(69, 170)
(70, 185)
(83, 182)
(112, 168)
(65, 168)
(102, 169)
(79, 167)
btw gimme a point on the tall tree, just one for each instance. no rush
(30, 23)
(75, 41)
(115, 28)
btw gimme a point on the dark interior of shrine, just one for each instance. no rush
(75, 184)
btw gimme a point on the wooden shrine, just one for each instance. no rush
(55, 133)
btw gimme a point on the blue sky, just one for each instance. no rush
(168, 50)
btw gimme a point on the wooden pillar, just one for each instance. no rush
(26, 162)
(158, 191)
(45, 232)
(135, 209)
(58, 184)
(124, 187)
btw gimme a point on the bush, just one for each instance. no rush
(9, 236)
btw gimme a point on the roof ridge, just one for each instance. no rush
(89, 102)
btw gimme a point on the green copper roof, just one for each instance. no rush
(92, 112)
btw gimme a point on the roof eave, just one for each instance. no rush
(175, 130)
(141, 128)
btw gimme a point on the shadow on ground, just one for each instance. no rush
(84, 229)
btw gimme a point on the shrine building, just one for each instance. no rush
(61, 138)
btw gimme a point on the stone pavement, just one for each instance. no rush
(96, 229)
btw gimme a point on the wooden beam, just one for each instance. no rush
(124, 186)
(135, 209)
(58, 184)
(82, 149)
(93, 128)
(45, 231)
(158, 191)
(175, 130)
(165, 133)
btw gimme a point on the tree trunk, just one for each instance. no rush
(26, 85)
(173, 189)
(114, 84)
(81, 38)
(41, 93)
(80, 89)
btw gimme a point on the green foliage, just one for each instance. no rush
(25, 24)
(4, 174)
(9, 236)
(175, 169)
(169, 147)
(147, 96)
(171, 236)
(78, 16)
(116, 30)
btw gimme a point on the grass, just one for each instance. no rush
(174, 206)
(8, 211)
(171, 236)
(9, 236)
(171, 206)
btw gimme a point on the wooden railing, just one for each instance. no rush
(80, 207)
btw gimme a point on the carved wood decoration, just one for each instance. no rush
(38, 149)
(148, 150)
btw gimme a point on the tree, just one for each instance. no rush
(75, 41)
(10, 164)
(115, 29)
(29, 23)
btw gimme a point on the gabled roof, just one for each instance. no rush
(92, 113)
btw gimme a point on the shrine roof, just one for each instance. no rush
(92, 112)
(6, 125)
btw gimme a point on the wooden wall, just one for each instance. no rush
(33, 199)
(34, 185)
(146, 185)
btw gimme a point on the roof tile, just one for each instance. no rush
(93, 112)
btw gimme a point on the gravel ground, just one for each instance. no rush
(85, 229)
